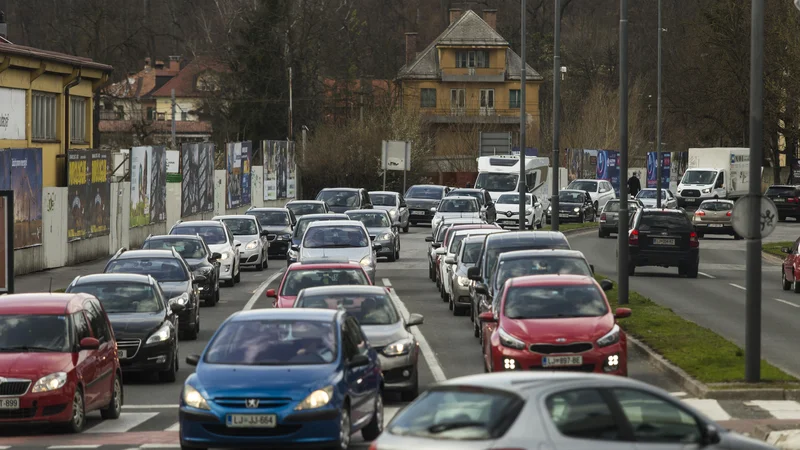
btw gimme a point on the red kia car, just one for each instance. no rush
(299, 276)
(58, 360)
(555, 322)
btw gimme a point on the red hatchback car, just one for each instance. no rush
(58, 360)
(305, 275)
(555, 322)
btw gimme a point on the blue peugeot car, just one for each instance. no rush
(283, 377)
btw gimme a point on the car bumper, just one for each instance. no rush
(250, 257)
(461, 294)
(206, 291)
(278, 248)
(226, 271)
(399, 372)
(597, 360)
(505, 221)
(714, 228)
(187, 319)
(312, 429)
(42, 408)
(787, 209)
(691, 201)
(661, 258)
(155, 357)
(387, 249)
(420, 215)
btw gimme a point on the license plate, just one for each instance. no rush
(556, 361)
(417, 213)
(689, 200)
(659, 241)
(563, 215)
(9, 403)
(715, 225)
(122, 354)
(251, 421)
(778, 200)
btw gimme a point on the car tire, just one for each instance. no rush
(412, 393)
(237, 277)
(692, 269)
(397, 253)
(796, 287)
(344, 429)
(114, 408)
(405, 228)
(476, 331)
(631, 269)
(784, 282)
(601, 234)
(170, 375)
(392, 257)
(191, 335)
(216, 296)
(77, 422)
(583, 217)
(375, 426)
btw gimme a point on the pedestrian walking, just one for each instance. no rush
(634, 185)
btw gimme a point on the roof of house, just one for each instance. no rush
(185, 83)
(470, 30)
(7, 48)
(140, 84)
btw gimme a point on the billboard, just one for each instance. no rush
(270, 173)
(26, 182)
(197, 172)
(12, 114)
(6, 242)
(148, 185)
(89, 193)
(291, 171)
(247, 162)
(652, 169)
(608, 168)
(233, 175)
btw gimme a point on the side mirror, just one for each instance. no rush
(441, 251)
(264, 233)
(487, 316)
(429, 239)
(622, 313)
(450, 260)
(89, 343)
(474, 273)
(436, 245)
(296, 248)
(711, 436)
(358, 361)
(403, 205)
(199, 278)
(537, 205)
(192, 360)
(480, 288)
(237, 244)
(591, 267)
(377, 247)
(176, 308)
(786, 250)
(397, 224)
(415, 320)
(215, 256)
(607, 285)
(271, 293)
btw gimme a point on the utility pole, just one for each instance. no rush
(622, 239)
(556, 113)
(523, 122)
(174, 105)
(659, 157)
(291, 114)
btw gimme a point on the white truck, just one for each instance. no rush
(721, 172)
(500, 174)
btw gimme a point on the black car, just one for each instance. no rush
(279, 223)
(203, 262)
(573, 206)
(786, 199)
(484, 201)
(663, 237)
(300, 229)
(144, 322)
(302, 208)
(340, 200)
(423, 200)
(173, 275)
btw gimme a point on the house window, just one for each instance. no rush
(77, 119)
(514, 98)
(161, 116)
(487, 101)
(472, 59)
(43, 116)
(427, 98)
(151, 113)
(184, 116)
(458, 101)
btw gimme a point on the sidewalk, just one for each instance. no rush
(60, 277)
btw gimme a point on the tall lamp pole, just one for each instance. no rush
(556, 112)
(523, 122)
(659, 157)
(622, 240)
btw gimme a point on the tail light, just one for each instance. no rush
(693, 242)
(603, 217)
(633, 238)
(793, 200)
(728, 213)
(373, 446)
(700, 213)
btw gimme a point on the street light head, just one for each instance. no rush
(797, 4)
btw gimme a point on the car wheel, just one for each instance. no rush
(393, 256)
(405, 228)
(191, 335)
(114, 408)
(631, 269)
(171, 374)
(412, 393)
(375, 426)
(476, 326)
(796, 287)
(78, 420)
(397, 253)
(692, 269)
(344, 430)
(583, 217)
(237, 277)
(784, 282)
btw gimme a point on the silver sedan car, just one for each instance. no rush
(382, 230)
(554, 410)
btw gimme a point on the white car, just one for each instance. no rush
(649, 196)
(450, 252)
(219, 240)
(247, 230)
(508, 211)
(460, 207)
(601, 191)
(339, 240)
(394, 204)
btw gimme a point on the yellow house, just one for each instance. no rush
(468, 81)
(46, 100)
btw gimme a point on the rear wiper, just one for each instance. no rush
(25, 348)
(442, 427)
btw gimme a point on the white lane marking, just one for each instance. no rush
(711, 408)
(261, 288)
(160, 446)
(387, 282)
(72, 446)
(126, 422)
(787, 302)
(707, 275)
(175, 427)
(427, 351)
(738, 287)
(678, 394)
(175, 406)
(779, 409)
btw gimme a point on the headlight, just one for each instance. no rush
(205, 271)
(463, 281)
(612, 337)
(528, 211)
(192, 397)
(284, 237)
(393, 212)
(224, 256)
(433, 209)
(251, 245)
(577, 209)
(401, 347)
(366, 261)
(162, 335)
(316, 399)
(182, 299)
(549, 209)
(706, 191)
(292, 254)
(510, 341)
(50, 382)
(385, 237)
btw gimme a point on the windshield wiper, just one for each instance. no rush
(442, 427)
(26, 348)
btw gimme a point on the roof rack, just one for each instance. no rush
(119, 252)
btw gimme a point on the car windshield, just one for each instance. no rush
(716, 206)
(781, 190)
(34, 333)
(303, 224)
(571, 197)
(458, 205)
(665, 221)
(497, 182)
(371, 219)
(512, 199)
(472, 252)
(273, 343)
(304, 208)
(299, 279)
(493, 252)
(454, 241)
(162, 269)
(339, 198)
(241, 227)
(335, 237)
(442, 231)
(369, 309)
(580, 185)
(425, 192)
(270, 218)
(651, 193)
(477, 195)
(458, 414)
(213, 235)
(540, 265)
(187, 248)
(614, 206)
(383, 199)
(120, 297)
(699, 177)
(551, 302)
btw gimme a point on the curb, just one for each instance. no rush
(786, 439)
(770, 258)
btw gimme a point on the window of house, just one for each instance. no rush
(184, 116)
(458, 99)
(427, 98)
(43, 116)
(77, 119)
(151, 113)
(514, 98)
(161, 116)
(472, 59)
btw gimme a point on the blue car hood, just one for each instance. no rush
(294, 382)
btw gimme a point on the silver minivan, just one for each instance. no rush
(339, 240)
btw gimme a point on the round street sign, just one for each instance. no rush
(740, 217)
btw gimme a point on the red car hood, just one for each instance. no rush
(546, 331)
(34, 365)
(286, 301)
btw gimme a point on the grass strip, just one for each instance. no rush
(774, 248)
(573, 226)
(703, 354)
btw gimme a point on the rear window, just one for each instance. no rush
(614, 206)
(301, 209)
(662, 221)
(425, 192)
(493, 253)
(299, 279)
(781, 190)
(716, 206)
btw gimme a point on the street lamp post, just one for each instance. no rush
(659, 158)
(622, 239)
(556, 112)
(523, 122)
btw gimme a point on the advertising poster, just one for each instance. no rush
(12, 114)
(89, 193)
(291, 174)
(281, 168)
(158, 184)
(26, 181)
(270, 173)
(588, 164)
(100, 193)
(608, 168)
(197, 188)
(148, 185)
(652, 169)
(233, 169)
(247, 155)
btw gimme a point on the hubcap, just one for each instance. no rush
(344, 430)
(77, 410)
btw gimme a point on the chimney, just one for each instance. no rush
(490, 17)
(159, 64)
(3, 25)
(147, 63)
(174, 63)
(411, 47)
(455, 14)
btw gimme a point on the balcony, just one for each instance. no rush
(473, 75)
(471, 115)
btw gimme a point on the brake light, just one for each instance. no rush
(791, 199)
(728, 213)
(373, 446)
(633, 238)
(693, 242)
(700, 213)
(603, 217)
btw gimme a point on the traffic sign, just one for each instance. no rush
(740, 217)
